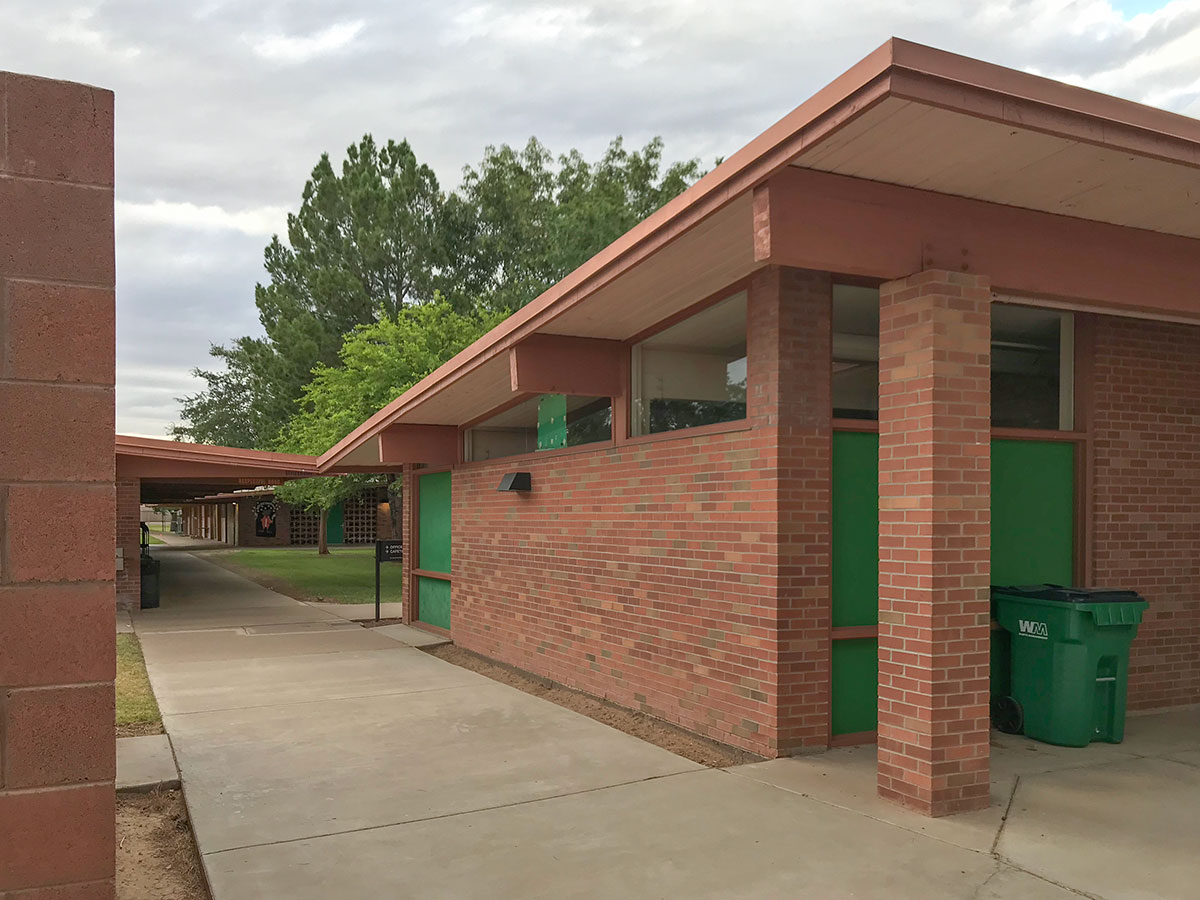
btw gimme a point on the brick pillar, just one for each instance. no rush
(129, 542)
(789, 329)
(57, 465)
(934, 512)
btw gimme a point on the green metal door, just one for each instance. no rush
(1032, 539)
(334, 529)
(433, 549)
(854, 668)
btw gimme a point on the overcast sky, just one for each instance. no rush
(224, 107)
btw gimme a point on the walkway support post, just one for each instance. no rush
(934, 541)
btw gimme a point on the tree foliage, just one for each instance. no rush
(378, 239)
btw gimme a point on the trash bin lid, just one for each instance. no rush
(1068, 594)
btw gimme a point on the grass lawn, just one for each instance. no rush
(344, 576)
(137, 710)
(154, 540)
(159, 526)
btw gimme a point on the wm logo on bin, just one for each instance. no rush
(1034, 629)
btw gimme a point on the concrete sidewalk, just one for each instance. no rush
(321, 759)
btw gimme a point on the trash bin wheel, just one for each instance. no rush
(1007, 715)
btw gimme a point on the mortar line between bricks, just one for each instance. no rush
(16, 176)
(452, 815)
(198, 712)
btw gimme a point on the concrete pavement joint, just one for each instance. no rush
(1007, 810)
(850, 809)
(451, 815)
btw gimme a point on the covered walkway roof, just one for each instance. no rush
(174, 472)
(1002, 166)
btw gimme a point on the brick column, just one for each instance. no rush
(934, 519)
(789, 330)
(129, 542)
(57, 749)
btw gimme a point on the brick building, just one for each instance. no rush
(937, 328)
(255, 518)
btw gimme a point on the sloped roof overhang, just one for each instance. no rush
(907, 116)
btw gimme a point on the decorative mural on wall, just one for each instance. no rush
(264, 519)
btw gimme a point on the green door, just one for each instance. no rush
(433, 549)
(1033, 541)
(854, 668)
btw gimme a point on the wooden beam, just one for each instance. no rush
(429, 444)
(851, 226)
(561, 364)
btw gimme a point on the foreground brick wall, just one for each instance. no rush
(129, 540)
(934, 526)
(1146, 476)
(687, 576)
(56, 471)
(645, 575)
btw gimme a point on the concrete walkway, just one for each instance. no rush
(321, 759)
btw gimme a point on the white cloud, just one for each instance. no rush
(286, 48)
(262, 221)
(223, 107)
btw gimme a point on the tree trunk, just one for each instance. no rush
(323, 534)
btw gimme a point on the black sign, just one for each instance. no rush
(264, 519)
(389, 551)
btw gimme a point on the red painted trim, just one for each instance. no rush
(837, 223)
(853, 632)
(538, 455)
(440, 576)
(697, 431)
(866, 426)
(730, 290)
(559, 364)
(431, 629)
(1038, 434)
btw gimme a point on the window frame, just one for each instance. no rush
(634, 375)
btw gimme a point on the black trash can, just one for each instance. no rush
(150, 567)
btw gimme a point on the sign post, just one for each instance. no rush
(385, 551)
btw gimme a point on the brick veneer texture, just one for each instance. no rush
(129, 537)
(934, 514)
(57, 469)
(686, 577)
(1146, 492)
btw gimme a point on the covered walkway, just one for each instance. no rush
(323, 759)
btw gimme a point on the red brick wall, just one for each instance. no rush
(57, 752)
(685, 576)
(129, 540)
(934, 527)
(246, 536)
(1146, 475)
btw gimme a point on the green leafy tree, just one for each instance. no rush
(364, 244)
(378, 362)
(523, 220)
(379, 237)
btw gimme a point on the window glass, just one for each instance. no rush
(1032, 364)
(546, 422)
(693, 373)
(855, 380)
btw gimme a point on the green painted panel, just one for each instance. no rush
(335, 531)
(433, 602)
(433, 539)
(552, 422)
(855, 528)
(1033, 512)
(853, 681)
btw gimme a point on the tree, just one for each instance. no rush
(522, 221)
(380, 237)
(378, 362)
(363, 245)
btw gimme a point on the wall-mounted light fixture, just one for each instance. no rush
(516, 481)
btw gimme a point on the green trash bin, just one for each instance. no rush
(1069, 662)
